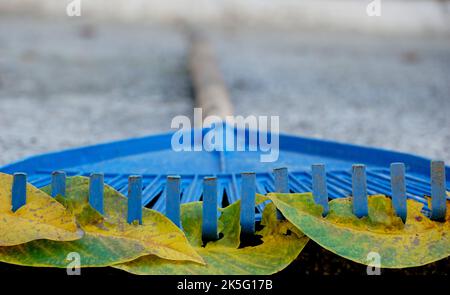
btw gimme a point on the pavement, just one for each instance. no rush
(71, 83)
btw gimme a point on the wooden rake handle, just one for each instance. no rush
(209, 87)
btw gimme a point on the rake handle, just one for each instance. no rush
(209, 87)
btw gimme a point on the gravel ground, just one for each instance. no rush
(68, 84)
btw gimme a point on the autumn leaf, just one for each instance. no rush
(108, 239)
(281, 244)
(40, 218)
(417, 242)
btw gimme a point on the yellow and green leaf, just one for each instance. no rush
(40, 218)
(416, 242)
(108, 239)
(281, 244)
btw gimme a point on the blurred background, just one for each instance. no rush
(326, 67)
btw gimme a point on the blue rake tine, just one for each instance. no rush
(281, 180)
(359, 190)
(173, 199)
(438, 194)
(18, 191)
(281, 185)
(209, 220)
(134, 199)
(248, 194)
(58, 183)
(96, 190)
(319, 184)
(398, 187)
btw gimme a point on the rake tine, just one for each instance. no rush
(96, 190)
(359, 190)
(134, 199)
(319, 184)
(281, 185)
(19, 191)
(438, 194)
(58, 183)
(281, 180)
(209, 222)
(248, 194)
(398, 188)
(173, 199)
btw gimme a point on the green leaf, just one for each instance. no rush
(40, 218)
(108, 239)
(282, 243)
(417, 242)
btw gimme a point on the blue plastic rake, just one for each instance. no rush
(154, 159)
(152, 174)
(248, 193)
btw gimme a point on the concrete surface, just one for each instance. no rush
(65, 84)
(365, 89)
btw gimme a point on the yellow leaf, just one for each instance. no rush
(40, 218)
(281, 244)
(108, 239)
(417, 242)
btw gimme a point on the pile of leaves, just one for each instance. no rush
(45, 231)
